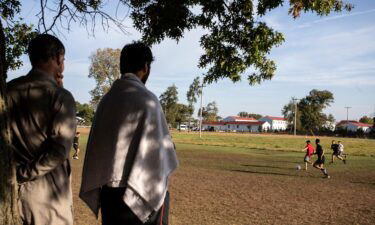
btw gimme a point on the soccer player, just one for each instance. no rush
(341, 151)
(309, 152)
(319, 163)
(336, 152)
(76, 145)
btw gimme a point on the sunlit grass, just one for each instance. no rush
(285, 143)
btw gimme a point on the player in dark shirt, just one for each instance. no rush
(76, 145)
(319, 163)
(336, 152)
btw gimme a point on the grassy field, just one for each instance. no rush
(251, 179)
(285, 143)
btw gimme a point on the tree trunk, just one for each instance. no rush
(8, 183)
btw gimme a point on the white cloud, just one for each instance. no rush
(346, 57)
(331, 18)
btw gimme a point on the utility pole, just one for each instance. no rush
(295, 115)
(200, 122)
(347, 117)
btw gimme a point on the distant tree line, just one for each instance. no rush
(249, 115)
(86, 112)
(177, 113)
(310, 118)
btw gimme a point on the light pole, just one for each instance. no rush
(200, 122)
(347, 117)
(295, 115)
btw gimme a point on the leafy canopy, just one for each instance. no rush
(16, 34)
(192, 94)
(105, 69)
(366, 119)
(210, 112)
(249, 115)
(237, 41)
(310, 116)
(169, 103)
(86, 112)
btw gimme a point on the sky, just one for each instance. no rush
(335, 53)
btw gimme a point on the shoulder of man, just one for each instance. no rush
(65, 96)
(151, 100)
(15, 82)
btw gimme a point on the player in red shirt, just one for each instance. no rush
(309, 152)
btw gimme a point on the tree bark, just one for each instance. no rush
(8, 184)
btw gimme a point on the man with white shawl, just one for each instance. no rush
(130, 154)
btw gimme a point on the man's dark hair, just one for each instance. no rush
(44, 47)
(308, 141)
(317, 141)
(134, 56)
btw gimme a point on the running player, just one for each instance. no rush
(341, 151)
(309, 152)
(319, 163)
(336, 152)
(76, 145)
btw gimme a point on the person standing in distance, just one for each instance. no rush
(42, 122)
(130, 153)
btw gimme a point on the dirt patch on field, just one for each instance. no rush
(222, 188)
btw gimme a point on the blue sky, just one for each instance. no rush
(335, 53)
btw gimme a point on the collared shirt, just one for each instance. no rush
(42, 122)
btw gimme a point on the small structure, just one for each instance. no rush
(80, 121)
(354, 126)
(182, 126)
(277, 123)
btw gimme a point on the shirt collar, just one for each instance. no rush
(131, 76)
(40, 74)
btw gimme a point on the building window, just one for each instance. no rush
(238, 126)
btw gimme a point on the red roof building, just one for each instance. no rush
(354, 126)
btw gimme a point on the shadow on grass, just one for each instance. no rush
(264, 166)
(267, 173)
(302, 175)
(360, 182)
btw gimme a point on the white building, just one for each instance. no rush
(277, 123)
(236, 126)
(353, 125)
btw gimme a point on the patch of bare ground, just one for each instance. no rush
(212, 188)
